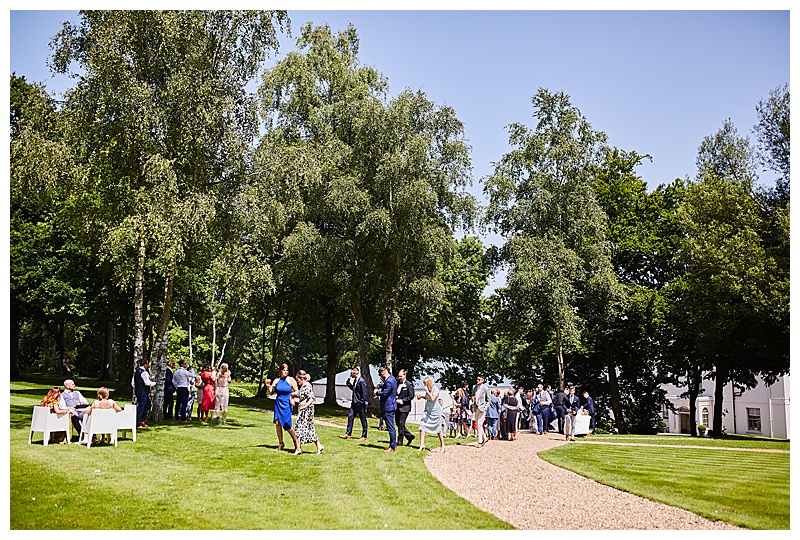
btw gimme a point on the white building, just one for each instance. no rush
(762, 411)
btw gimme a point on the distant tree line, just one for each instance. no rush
(161, 211)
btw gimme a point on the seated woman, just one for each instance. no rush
(51, 402)
(103, 402)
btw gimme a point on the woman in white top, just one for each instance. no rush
(103, 402)
(222, 394)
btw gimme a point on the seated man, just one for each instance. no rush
(73, 400)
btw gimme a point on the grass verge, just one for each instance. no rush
(748, 489)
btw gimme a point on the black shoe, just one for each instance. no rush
(408, 441)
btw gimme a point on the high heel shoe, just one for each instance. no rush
(421, 448)
(297, 451)
(280, 446)
(321, 448)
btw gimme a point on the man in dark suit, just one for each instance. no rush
(560, 402)
(169, 391)
(387, 391)
(405, 394)
(358, 404)
(571, 405)
(588, 404)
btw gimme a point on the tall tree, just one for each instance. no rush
(542, 200)
(772, 133)
(741, 296)
(163, 117)
(379, 181)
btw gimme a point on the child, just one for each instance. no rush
(453, 421)
(467, 421)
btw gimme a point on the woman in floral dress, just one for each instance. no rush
(304, 426)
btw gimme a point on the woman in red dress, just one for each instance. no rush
(207, 402)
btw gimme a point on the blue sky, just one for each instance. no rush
(656, 82)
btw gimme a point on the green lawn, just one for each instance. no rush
(728, 441)
(193, 476)
(749, 489)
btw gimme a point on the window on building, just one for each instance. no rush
(754, 420)
(704, 416)
(665, 412)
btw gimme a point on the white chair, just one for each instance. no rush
(100, 422)
(47, 422)
(126, 420)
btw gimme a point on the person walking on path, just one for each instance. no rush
(387, 391)
(545, 402)
(511, 407)
(358, 404)
(405, 393)
(304, 427)
(431, 421)
(482, 400)
(493, 414)
(286, 388)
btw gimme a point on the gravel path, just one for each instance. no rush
(530, 478)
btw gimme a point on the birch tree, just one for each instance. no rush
(161, 113)
(542, 201)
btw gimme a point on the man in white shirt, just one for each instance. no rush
(141, 386)
(73, 400)
(181, 381)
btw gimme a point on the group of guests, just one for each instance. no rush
(71, 401)
(182, 387)
(486, 413)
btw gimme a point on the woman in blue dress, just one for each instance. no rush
(431, 421)
(286, 388)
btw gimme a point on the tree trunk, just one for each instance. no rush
(14, 346)
(190, 338)
(358, 323)
(225, 340)
(61, 345)
(124, 388)
(138, 307)
(388, 341)
(158, 366)
(262, 389)
(560, 359)
(613, 387)
(694, 382)
(108, 364)
(332, 364)
(719, 387)
(214, 339)
(277, 335)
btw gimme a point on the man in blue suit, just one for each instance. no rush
(387, 391)
(358, 405)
